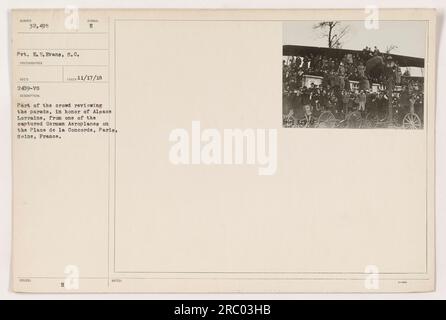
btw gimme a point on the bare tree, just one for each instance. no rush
(333, 31)
(391, 48)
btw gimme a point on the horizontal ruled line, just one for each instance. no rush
(98, 49)
(61, 65)
(43, 32)
(68, 82)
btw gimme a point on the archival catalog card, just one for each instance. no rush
(223, 150)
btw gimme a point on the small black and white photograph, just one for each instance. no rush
(351, 74)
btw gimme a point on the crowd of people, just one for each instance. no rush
(335, 92)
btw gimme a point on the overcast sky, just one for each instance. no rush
(409, 36)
